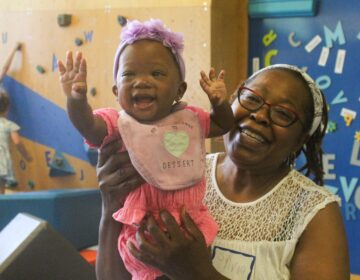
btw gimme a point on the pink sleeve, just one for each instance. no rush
(204, 118)
(110, 117)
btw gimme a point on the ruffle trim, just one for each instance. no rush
(201, 217)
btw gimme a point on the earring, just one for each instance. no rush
(291, 160)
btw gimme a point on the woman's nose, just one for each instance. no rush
(262, 115)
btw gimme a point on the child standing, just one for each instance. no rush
(163, 136)
(8, 130)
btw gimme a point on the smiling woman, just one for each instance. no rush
(274, 222)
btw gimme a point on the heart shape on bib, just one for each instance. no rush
(176, 143)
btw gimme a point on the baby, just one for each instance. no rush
(163, 136)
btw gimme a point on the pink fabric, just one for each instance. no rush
(110, 116)
(180, 149)
(149, 199)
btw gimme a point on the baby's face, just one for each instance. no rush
(148, 81)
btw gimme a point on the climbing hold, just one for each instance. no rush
(122, 20)
(31, 185)
(58, 161)
(64, 20)
(93, 91)
(59, 166)
(78, 41)
(40, 69)
(12, 184)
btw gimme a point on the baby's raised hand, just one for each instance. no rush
(214, 87)
(73, 76)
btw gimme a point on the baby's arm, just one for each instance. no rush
(15, 137)
(222, 117)
(73, 82)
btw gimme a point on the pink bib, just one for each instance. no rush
(170, 153)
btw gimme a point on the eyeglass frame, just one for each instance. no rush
(297, 118)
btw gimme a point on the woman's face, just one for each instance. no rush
(257, 142)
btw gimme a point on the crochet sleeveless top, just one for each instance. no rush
(257, 240)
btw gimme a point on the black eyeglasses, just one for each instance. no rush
(279, 115)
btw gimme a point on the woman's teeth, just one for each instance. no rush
(253, 135)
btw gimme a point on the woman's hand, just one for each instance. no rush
(180, 252)
(116, 176)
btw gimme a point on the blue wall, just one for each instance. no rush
(341, 19)
(42, 121)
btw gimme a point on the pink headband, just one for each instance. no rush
(153, 29)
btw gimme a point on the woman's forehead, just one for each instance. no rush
(273, 75)
(283, 81)
(282, 85)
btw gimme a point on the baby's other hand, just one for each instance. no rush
(73, 76)
(214, 87)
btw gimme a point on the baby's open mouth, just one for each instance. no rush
(144, 101)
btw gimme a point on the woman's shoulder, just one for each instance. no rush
(307, 199)
(305, 184)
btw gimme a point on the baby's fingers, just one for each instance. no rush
(204, 76)
(204, 85)
(221, 75)
(83, 66)
(78, 61)
(69, 61)
(212, 74)
(62, 69)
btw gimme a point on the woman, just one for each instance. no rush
(275, 223)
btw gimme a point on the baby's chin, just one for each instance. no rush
(145, 118)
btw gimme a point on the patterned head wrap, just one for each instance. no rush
(315, 92)
(153, 29)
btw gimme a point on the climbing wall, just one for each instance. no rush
(215, 35)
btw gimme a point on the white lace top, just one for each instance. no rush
(256, 240)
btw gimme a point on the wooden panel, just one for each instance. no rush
(229, 45)
(35, 175)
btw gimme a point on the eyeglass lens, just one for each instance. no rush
(278, 114)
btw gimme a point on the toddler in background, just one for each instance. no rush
(165, 138)
(8, 130)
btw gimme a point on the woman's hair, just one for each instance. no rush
(4, 102)
(312, 149)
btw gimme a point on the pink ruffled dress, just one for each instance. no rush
(175, 171)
